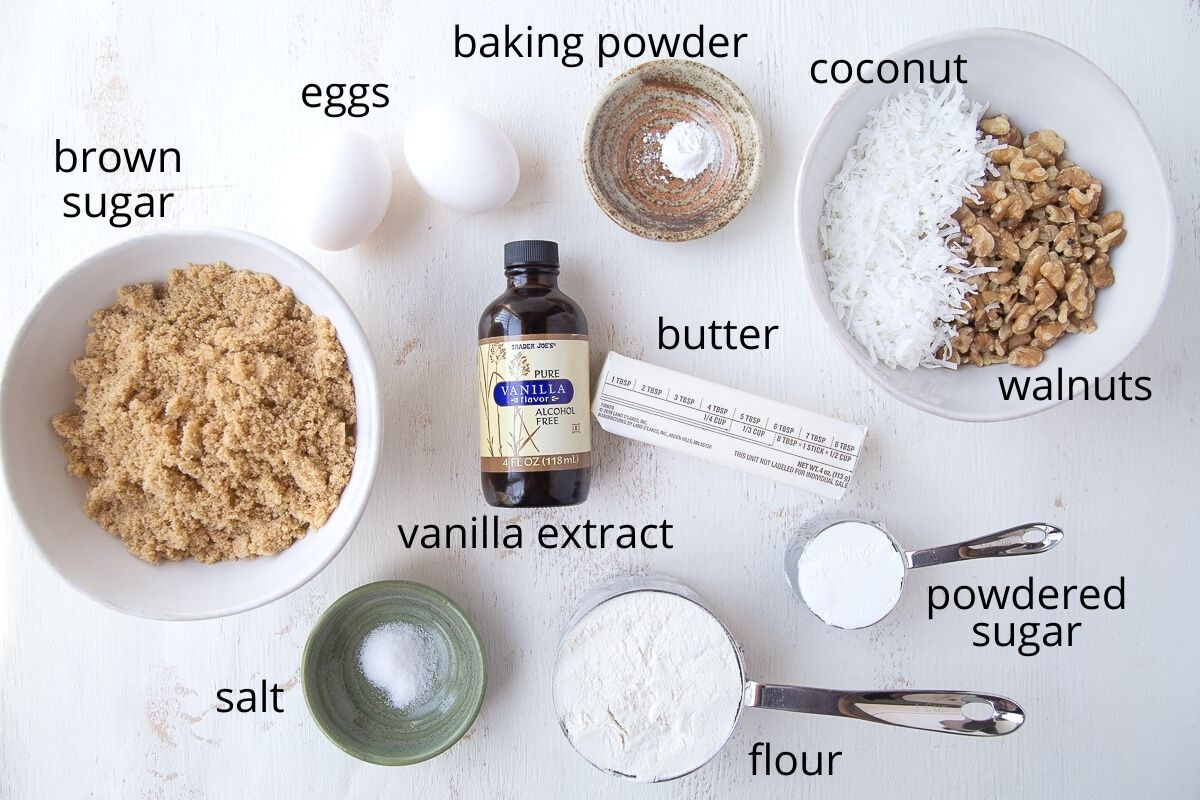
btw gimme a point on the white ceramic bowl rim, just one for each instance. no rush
(818, 286)
(366, 382)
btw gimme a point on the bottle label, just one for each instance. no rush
(534, 398)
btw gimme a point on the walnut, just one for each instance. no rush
(1040, 155)
(1048, 331)
(964, 217)
(1004, 155)
(1047, 139)
(1101, 275)
(982, 242)
(1010, 208)
(1025, 319)
(1111, 221)
(1043, 193)
(1021, 190)
(1060, 214)
(1085, 203)
(1066, 243)
(1027, 169)
(1044, 295)
(1074, 178)
(1076, 290)
(992, 192)
(1025, 356)
(1053, 272)
(1110, 240)
(996, 126)
(1037, 223)
(1007, 248)
(1038, 256)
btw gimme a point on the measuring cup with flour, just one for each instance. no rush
(649, 684)
(850, 573)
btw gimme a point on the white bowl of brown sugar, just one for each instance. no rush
(190, 424)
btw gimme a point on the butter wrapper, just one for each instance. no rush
(726, 426)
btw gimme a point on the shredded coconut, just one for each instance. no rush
(648, 685)
(896, 279)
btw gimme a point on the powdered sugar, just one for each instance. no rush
(850, 574)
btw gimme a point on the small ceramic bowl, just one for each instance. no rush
(1104, 135)
(355, 715)
(37, 384)
(622, 143)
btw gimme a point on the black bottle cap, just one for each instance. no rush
(530, 251)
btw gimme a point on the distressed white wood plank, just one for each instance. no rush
(94, 703)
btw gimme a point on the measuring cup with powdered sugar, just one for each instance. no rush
(649, 684)
(851, 573)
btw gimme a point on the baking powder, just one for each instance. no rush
(687, 149)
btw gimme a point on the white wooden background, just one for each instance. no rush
(95, 704)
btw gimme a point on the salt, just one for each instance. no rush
(399, 660)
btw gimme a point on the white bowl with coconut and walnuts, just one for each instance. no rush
(957, 237)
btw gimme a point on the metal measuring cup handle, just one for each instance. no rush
(1023, 540)
(960, 713)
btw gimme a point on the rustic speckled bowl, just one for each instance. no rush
(354, 714)
(621, 146)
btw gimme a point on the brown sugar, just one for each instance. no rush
(215, 417)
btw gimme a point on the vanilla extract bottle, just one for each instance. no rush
(535, 441)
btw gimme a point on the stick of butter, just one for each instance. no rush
(726, 426)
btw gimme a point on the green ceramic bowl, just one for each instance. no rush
(354, 714)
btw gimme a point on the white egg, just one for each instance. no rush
(461, 158)
(341, 189)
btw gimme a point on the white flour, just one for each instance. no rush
(648, 685)
(851, 574)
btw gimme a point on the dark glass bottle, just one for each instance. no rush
(534, 387)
